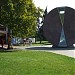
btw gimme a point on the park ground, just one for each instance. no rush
(35, 60)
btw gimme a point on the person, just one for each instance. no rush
(24, 41)
(9, 42)
(30, 42)
(2, 42)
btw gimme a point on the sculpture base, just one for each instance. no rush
(71, 46)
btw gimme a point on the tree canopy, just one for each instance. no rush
(20, 16)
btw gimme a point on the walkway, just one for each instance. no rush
(70, 53)
(63, 51)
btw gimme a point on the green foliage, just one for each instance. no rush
(35, 63)
(20, 16)
(39, 13)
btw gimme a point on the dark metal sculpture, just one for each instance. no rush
(59, 28)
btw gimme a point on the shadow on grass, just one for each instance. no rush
(2, 48)
(49, 48)
(7, 50)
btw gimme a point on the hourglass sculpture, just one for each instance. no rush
(59, 27)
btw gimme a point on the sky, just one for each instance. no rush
(51, 4)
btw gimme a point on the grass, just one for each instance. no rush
(35, 63)
(42, 43)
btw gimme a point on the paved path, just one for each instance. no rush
(70, 53)
(63, 51)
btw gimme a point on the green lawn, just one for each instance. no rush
(35, 63)
(42, 43)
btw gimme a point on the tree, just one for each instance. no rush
(20, 16)
(40, 28)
